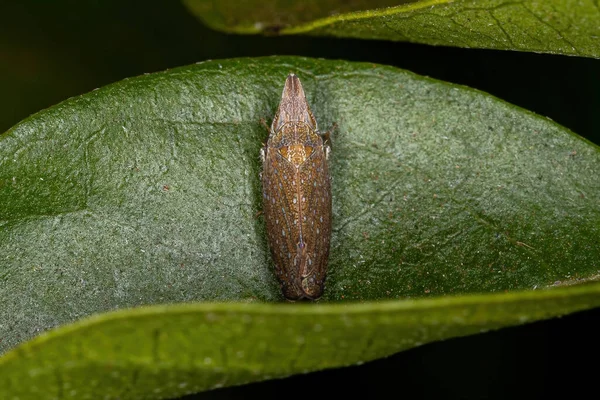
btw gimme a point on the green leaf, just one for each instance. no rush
(460, 206)
(551, 26)
(169, 351)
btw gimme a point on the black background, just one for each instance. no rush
(50, 51)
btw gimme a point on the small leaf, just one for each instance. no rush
(460, 206)
(551, 26)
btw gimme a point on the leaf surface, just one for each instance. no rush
(552, 26)
(464, 212)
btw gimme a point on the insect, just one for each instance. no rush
(297, 195)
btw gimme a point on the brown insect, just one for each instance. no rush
(297, 195)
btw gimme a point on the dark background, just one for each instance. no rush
(50, 51)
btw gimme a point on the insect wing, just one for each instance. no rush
(316, 221)
(281, 214)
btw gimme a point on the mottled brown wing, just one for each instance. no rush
(316, 220)
(281, 211)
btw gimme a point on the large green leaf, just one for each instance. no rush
(147, 192)
(551, 26)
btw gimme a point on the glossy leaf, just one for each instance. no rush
(147, 192)
(552, 26)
